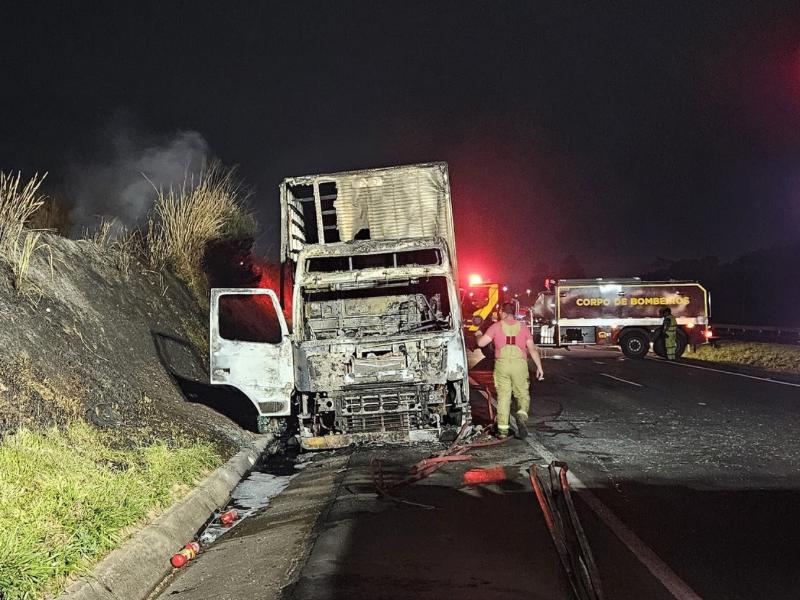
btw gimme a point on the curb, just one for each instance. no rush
(132, 571)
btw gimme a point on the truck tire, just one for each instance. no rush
(660, 348)
(634, 344)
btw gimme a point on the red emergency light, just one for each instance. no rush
(475, 279)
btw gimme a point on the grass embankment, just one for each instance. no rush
(69, 496)
(777, 358)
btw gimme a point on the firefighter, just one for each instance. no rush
(670, 331)
(512, 344)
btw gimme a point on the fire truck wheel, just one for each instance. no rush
(683, 341)
(659, 347)
(635, 344)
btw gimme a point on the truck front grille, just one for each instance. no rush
(390, 408)
(378, 423)
(379, 401)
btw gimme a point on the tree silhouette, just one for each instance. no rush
(570, 268)
(758, 288)
(541, 270)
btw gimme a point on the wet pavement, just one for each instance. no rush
(689, 488)
(702, 465)
(455, 541)
(345, 540)
(267, 479)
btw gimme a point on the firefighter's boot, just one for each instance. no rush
(522, 425)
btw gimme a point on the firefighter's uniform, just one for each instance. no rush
(510, 371)
(671, 336)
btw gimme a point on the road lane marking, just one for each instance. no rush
(652, 562)
(569, 379)
(621, 379)
(767, 379)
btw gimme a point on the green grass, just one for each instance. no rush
(778, 358)
(68, 496)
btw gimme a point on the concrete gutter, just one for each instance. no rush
(134, 569)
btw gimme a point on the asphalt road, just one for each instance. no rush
(687, 484)
(698, 469)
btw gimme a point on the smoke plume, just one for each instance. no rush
(121, 184)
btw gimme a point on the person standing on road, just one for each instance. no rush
(670, 329)
(512, 343)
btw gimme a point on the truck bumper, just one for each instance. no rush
(342, 440)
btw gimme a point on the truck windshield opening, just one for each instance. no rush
(382, 310)
(406, 258)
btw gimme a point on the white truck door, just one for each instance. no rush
(251, 348)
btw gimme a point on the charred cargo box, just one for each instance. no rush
(369, 264)
(623, 312)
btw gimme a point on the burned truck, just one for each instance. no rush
(376, 349)
(621, 312)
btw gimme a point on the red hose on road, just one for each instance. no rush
(565, 528)
(456, 452)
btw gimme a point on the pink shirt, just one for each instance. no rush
(500, 338)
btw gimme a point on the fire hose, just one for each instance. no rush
(561, 518)
(562, 522)
(456, 452)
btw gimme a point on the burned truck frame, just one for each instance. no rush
(378, 349)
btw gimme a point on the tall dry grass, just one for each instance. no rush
(19, 201)
(209, 207)
(104, 235)
(124, 245)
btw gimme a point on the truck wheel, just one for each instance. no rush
(660, 348)
(683, 341)
(635, 344)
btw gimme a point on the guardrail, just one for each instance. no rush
(758, 333)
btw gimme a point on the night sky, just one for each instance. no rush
(618, 134)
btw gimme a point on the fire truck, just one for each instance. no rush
(479, 302)
(620, 312)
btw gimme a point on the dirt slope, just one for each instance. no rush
(107, 342)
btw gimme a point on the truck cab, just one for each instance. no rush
(377, 347)
(378, 342)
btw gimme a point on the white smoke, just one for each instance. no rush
(121, 185)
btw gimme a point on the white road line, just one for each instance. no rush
(767, 379)
(660, 570)
(569, 379)
(621, 379)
